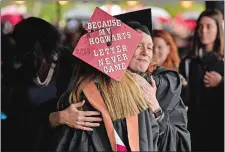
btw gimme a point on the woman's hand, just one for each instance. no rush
(212, 79)
(74, 118)
(149, 91)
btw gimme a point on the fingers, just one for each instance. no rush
(89, 113)
(207, 85)
(89, 119)
(206, 81)
(84, 123)
(92, 119)
(79, 104)
(153, 82)
(83, 128)
(214, 73)
(207, 76)
(88, 124)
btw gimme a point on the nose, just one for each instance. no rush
(144, 51)
(203, 30)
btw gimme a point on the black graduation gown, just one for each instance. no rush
(37, 118)
(23, 121)
(70, 139)
(206, 105)
(173, 133)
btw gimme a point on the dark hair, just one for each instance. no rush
(219, 42)
(35, 40)
(34, 30)
(137, 25)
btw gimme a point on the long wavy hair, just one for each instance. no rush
(122, 99)
(173, 60)
(219, 42)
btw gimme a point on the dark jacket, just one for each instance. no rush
(173, 133)
(206, 104)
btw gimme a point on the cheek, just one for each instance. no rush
(150, 55)
(163, 57)
(162, 52)
(167, 50)
(213, 34)
(133, 62)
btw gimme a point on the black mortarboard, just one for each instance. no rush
(144, 17)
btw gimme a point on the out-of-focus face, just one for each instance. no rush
(223, 24)
(143, 54)
(207, 31)
(161, 49)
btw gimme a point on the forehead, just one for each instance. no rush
(207, 20)
(146, 38)
(157, 38)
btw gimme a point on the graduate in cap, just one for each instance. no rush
(101, 79)
(174, 135)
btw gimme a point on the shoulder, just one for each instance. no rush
(169, 87)
(164, 77)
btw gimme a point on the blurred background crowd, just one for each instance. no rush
(178, 18)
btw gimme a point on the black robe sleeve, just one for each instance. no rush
(173, 133)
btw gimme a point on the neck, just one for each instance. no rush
(133, 71)
(208, 48)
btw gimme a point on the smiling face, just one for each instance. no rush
(161, 49)
(143, 54)
(207, 31)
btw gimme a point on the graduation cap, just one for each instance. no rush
(109, 44)
(144, 17)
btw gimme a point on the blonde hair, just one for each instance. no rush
(122, 99)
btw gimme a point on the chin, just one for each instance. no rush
(143, 69)
(205, 42)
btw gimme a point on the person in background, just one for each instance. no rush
(73, 31)
(167, 56)
(35, 84)
(204, 70)
(166, 50)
